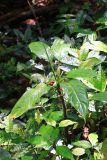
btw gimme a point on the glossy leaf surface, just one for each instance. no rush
(28, 100)
(77, 96)
(64, 152)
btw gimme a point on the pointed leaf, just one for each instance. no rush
(81, 73)
(100, 97)
(102, 20)
(95, 45)
(27, 34)
(38, 141)
(64, 152)
(89, 63)
(56, 115)
(28, 100)
(98, 83)
(83, 143)
(39, 49)
(77, 96)
(93, 138)
(61, 50)
(104, 148)
(99, 46)
(49, 133)
(66, 123)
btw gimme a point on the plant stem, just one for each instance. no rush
(61, 97)
(62, 101)
(57, 81)
(58, 85)
(77, 158)
(33, 12)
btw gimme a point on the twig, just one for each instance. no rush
(34, 14)
(26, 13)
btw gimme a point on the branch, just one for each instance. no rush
(26, 13)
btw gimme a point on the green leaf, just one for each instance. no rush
(52, 116)
(104, 148)
(95, 45)
(61, 50)
(27, 34)
(21, 66)
(83, 143)
(56, 115)
(66, 123)
(27, 158)
(39, 49)
(38, 116)
(78, 151)
(102, 79)
(100, 97)
(93, 138)
(28, 100)
(64, 152)
(43, 154)
(81, 73)
(77, 96)
(101, 28)
(38, 141)
(49, 133)
(89, 63)
(98, 83)
(51, 122)
(102, 20)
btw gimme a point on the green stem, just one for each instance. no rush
(58, 85)
(57, 81)
(61, 97)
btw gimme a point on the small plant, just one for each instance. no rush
(61, 115)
